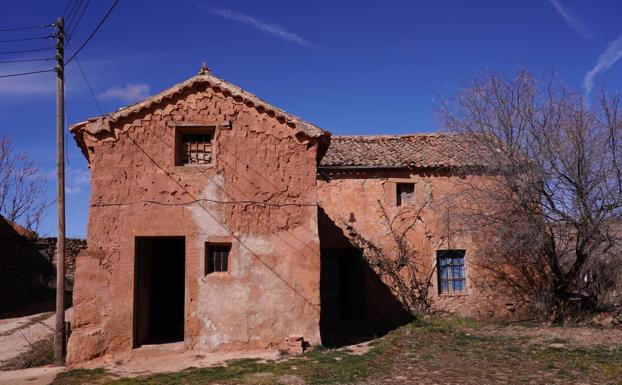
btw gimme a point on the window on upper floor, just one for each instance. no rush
(451, 271)
(405, 194)
(194, 146)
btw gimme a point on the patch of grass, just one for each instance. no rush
(39, 353)
(81, 377)
(425, 349)
(319, 366)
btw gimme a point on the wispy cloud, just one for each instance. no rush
(571, 20)
(76, 180)
(265, 27)
(612, 54)
(129, 93)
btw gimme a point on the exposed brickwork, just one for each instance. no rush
(73, 247)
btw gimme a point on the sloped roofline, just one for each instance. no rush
(103, 123)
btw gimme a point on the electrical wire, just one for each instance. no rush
(72, 12)
(26, 50)
(67, 7)
(101, 22)
(79, 17)
(26, 73)
(26, 28)
(26, 39)
(86, 80)
(26, 60)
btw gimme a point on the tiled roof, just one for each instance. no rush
(396, 151)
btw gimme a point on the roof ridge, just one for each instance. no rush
(214, 81)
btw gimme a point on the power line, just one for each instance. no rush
(26, 39)
(88, 84)
(26, 50)
(26, 73)
(72, 13)
(94, 32)
(66, 7)
(79, 17)
(26, 60)
(26, 28)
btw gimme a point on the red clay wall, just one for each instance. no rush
(259, 194)
(355, 195)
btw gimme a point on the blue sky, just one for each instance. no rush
(351, 67)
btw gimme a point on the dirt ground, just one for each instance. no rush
(429, 351)
(149, 359)
(16, 334)
(577, 337)
(33, 376)
(444, 352)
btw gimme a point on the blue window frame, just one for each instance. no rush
(451, 275)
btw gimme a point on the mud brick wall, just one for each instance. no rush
(259, 194)
(352, 198)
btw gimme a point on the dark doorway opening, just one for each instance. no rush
(356, 305)
(342, 283)
(159, 290)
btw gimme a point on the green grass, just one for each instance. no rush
(425, 349)
(319, 366)
(80, 377)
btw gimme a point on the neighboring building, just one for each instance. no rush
(24, 272)
(27, 268)
(360, 174)
(216, 219)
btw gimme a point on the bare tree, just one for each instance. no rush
(555, 190)
(22, 188)
(399, 264)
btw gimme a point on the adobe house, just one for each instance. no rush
(216, 221)
(362, 175)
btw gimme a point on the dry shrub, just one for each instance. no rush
(40, 353)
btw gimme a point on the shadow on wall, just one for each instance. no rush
(28, 272)
(355, 304)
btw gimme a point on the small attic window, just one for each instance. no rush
(405, 194)
(193, 146)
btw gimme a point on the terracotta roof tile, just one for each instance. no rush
(417, 150)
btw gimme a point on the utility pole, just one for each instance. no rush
(59, 330)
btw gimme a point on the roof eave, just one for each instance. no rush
(102, 123)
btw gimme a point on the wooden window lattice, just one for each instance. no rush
(196, 148)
